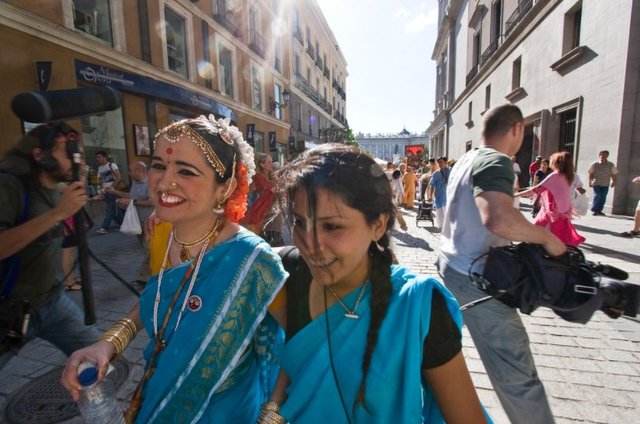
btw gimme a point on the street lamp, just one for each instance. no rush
(285, 102)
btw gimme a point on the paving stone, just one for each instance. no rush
(619, 355)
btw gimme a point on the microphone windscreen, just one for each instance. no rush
(612, 272)
(60, 105)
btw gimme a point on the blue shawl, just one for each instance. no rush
(395, 391)
(218, 365)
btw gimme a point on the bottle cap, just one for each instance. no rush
(88, 376)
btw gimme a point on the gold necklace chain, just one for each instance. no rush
(349, 313)
(185, 254)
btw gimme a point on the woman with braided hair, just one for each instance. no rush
(367, 341)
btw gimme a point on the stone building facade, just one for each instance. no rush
(572, 66)
(390, 147)
(273, 67)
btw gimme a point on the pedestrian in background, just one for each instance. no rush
(109, 177)
(438, 189)
(636, 218)
(556, 200)
(600, 174)
(409, 180)
(533, 168)
(262, 193)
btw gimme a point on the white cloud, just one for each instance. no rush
(421, 21)
(402, 12)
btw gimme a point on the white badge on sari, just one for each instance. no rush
(194, 303)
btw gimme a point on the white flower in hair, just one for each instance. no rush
(229, 134)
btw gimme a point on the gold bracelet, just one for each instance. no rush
(120, 335)
(271, 417)
(270, 414)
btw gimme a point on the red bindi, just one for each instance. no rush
(169, 150)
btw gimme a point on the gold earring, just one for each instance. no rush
(219, 209)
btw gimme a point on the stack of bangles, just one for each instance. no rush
(270, 414)
(120, 335)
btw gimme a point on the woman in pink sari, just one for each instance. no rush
(555, 197)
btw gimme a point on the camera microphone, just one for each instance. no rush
(60, 105)
(611, 271)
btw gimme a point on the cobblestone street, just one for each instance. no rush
(591, 372)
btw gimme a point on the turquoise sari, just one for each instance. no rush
(396, 391)
(219, 365)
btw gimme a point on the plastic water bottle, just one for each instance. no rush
(97, 401)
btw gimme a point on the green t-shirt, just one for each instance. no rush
(492, 171)
(41, 259)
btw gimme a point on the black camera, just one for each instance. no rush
(619, 298)
(524, 276)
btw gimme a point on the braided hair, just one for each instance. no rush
(357, 180)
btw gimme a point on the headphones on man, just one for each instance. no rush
(47, 162)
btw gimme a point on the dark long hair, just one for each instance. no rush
(361, 184)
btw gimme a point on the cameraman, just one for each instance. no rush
(30, 175)
(480, 215)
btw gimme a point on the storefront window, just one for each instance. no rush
(106, 132)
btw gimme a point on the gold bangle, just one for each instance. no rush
(270, 414)
(120, 335)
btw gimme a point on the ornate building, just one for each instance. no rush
(572, 66)
(390, 147)
(273, 67)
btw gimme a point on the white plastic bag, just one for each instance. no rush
(581, 204)
(131, 222)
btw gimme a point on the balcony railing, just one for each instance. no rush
(297, 32)
(489, 51)
(227, 18)
(302, 84)
(472, 73)
(256, 42)
(517, 15)
(319, 63)
(311, 51)
(326, 72)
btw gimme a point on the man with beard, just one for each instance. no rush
(34, 202)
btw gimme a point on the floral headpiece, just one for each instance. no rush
(228, 133)
(242, 170)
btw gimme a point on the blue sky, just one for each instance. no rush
(388, 46)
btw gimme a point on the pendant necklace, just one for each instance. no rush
(192, 272)
(185, 254)
(349, 313)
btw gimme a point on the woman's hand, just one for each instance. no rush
(149, 223)
(98, 353)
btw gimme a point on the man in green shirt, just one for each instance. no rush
(30, 178)
(480, 215)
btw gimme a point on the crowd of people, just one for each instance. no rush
(333, 330)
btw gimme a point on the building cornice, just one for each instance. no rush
(537, 14)
(23, 21)
(448, 21)
(317, 13)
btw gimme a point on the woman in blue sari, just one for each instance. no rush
(206, 309)
(367, 341)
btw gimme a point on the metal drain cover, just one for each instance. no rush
(46, 401)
